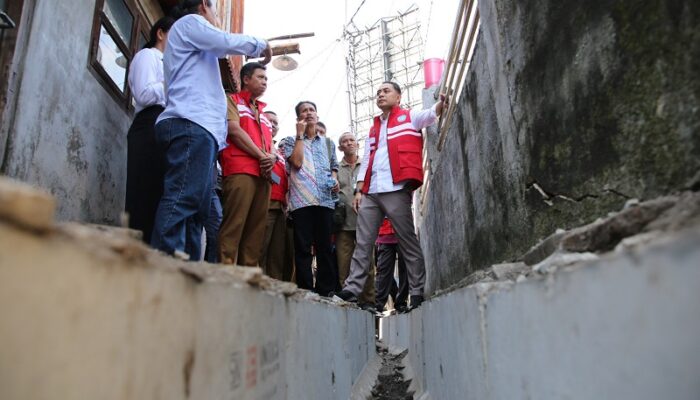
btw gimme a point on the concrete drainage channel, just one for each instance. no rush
(575, 330)
(611, 302)
(94, 314)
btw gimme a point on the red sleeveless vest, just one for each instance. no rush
(279, 192)
(233, 159)
(405, 148)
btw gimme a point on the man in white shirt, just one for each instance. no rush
(391, 169)
(192, 129)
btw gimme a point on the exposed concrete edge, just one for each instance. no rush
(129, 322)
(637, 259)
(415, 386)
(362, 389)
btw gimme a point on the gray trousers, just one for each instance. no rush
(397, 207)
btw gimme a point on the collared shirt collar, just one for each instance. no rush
(344, 163)
(393, 110)
(315, 137)
(247, 96)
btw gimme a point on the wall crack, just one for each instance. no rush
(549, 197)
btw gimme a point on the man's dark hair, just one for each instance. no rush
(187, 7)
(301, 103)
(249, 69)
(162, 24)
(270, 112)
(321, 124)
(394, 84)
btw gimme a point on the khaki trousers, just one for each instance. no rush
(273, 261)
(397, 207)
(344, 247)
(245, 199)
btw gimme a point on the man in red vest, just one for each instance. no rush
(391, 169)
(246, 167)
(273, 261)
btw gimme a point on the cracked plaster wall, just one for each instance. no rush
(569, 110)
(68, 135)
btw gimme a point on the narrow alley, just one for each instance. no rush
(551, 179)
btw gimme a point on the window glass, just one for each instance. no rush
(142, 42)
(111, 59)
(120, 17)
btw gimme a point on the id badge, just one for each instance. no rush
(275, 178)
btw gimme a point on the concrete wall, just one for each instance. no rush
(91, 315)
(594, 102)
(68, 135)
(624, 326)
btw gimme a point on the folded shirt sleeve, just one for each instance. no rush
(204, 36)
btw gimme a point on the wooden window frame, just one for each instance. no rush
(139, 27)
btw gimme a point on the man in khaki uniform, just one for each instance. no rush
(246, 164)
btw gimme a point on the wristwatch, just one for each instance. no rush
(300, 138)
(356, 191)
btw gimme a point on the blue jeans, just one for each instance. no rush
(189, 152)
(211, 229)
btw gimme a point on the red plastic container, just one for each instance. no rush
(432, 71)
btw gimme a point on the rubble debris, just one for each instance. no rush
(509, 271)
(562, 259)
(638, 223)
(132, 233)
(685, 213)
(637, 240)
(391, 383)
(545, 248)
(26, 206)
(605, 234)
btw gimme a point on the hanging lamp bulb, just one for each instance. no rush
(285, 63)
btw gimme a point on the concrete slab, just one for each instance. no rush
(624, 326)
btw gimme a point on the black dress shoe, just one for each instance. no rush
(416, 301)
(345, 296)
(401, 308)
(368, 307)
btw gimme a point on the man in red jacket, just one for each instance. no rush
(391, 169)
(273, 260)
(246, 168)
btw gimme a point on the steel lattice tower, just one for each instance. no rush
(391, 49)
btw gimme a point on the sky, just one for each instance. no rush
(321, 74)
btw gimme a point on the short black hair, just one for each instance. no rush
(249, 69)
(301, 103)
(187, 7)
(394, 84)
(162, 24)
(270, 112)
(321, 124)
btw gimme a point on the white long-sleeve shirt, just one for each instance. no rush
(146, 79)
(381, 180)
(192, 78)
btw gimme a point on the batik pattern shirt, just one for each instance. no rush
(311, 185)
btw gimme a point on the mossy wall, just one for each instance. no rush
(570, 109)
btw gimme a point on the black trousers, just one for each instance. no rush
(145, 172)
(385, 283)
(312, 226)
